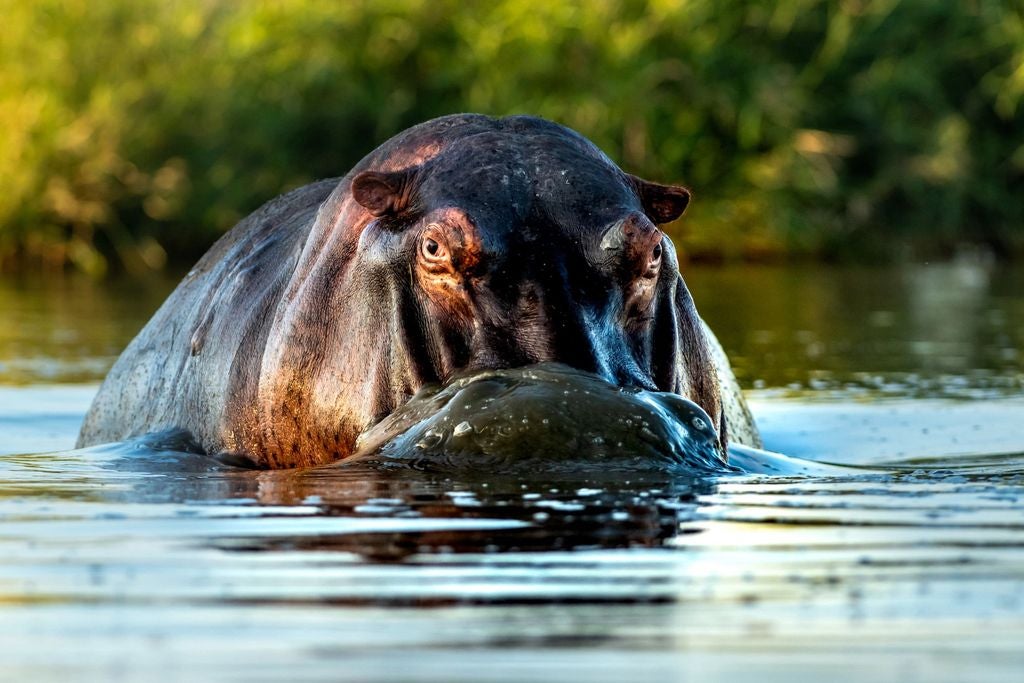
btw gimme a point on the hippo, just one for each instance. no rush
(464, 244)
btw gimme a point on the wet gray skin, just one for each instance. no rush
(543, 418)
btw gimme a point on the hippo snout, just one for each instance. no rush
(544, 418)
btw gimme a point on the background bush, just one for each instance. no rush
(134, 129)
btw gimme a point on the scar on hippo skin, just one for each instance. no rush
(464, 244)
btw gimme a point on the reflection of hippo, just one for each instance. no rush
(463, 244)
(542, 418)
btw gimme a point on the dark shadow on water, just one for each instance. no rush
(368, 538)
(585, 509)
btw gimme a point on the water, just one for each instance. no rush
(127, 564)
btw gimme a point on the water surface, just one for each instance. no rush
(125, 563)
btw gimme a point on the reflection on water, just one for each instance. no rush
(69, 329)
(134, 564)
(923, 331)
(123, 562)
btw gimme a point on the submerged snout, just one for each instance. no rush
(544, 418)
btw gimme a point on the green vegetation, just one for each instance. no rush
(134, 129)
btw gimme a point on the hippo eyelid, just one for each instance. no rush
(433, 246)
(433, 249)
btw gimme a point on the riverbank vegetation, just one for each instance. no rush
(134, 132)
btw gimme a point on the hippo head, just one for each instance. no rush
(471, 243)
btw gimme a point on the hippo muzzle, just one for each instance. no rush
(543, 418)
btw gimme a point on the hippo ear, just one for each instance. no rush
(383, 193)
(662, 203)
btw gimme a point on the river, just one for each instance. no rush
(118, 563)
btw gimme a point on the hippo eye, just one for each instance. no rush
(433, 250)
(656, 253)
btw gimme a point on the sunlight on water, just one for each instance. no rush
(121, 562)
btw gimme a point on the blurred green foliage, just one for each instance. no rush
(134, 129)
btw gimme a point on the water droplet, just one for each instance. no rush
(462, 428)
